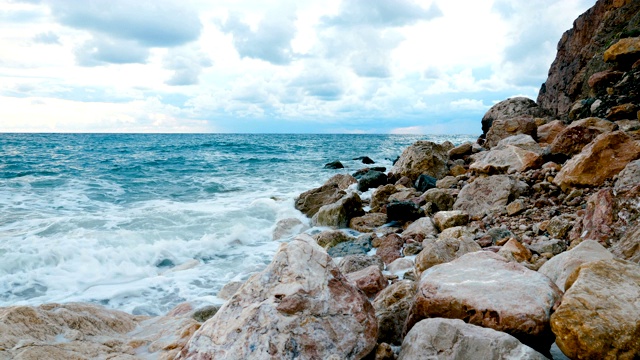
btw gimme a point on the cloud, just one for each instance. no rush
(187, 64)
(150, 23)
(468, 104)
(320, 81)
(48, 37)
(102, 50)
(270, 41)
(409, 130)
(381, 13)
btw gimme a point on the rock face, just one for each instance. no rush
(423, 157)
(484, 289)
(603, 158)
(505, 128)
(454, 339)
(86, 331)
(299, 307)
(508, 109)
(505, 159)
(599, 314)
(561, 266)
(392, 308)
(339, 213)
(580, 52)
(485, 194)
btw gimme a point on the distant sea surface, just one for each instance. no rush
(143, 222)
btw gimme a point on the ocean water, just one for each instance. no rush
(143, 222)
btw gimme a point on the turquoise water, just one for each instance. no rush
(144, 222)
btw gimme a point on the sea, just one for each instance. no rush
(143, 222)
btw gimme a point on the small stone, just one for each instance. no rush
(515, 208)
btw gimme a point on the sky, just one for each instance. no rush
(266, 66)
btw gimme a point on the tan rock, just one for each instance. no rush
(629, 177)
(330, 238)
(513, 250)
(339, 213)
(442, 251)
(595, 163)
(457, 170)
(505, 159)
(423, 227)
(447, 219)
(504, 128)
(400, 266)
(484, 289)
(515, 208)
(229, 289)
(510, 108)
(440, 198)
(628, 247)
(523, 141)
(370, 280)
(392, 308)
(488, 193)
(368, 222)
(309, 202)
(423, 157)
(599, 314)
(549, 131)
(301, 291)
(461, 150)
(561, 266)
(454, 339)
(623, 49)
(380, 196)
(579, 134)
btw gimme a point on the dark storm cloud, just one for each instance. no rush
(271, 41)
(48, 37)
(158, 23)
(102, 50)
(381, 13)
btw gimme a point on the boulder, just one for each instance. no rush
(594, 164)
(578, 134)
(369, 280)
(505, 159)
(299, 307)
(599, 314)
(504, 128)
(602, 79)
(423, 157)
(599, 217)
(549, 131)
(423, 227)
(551, 246)
(380, 196)
(365, 160)
(368, 222)
(447, 182)
(403, 211)
(330, 238)
(352, 263)
(205, 313)
(629, 177)
(309, 202)
(484, 289)
(400, 266)
(334, 165)
(446, 219)
(339, 213)
(628, 247)
(287, 228)
(510, 108)
(523, 141)
(488, 193)
(461, 150)
(561, 266)
(392, 308)
(425, 182)
(454, 339)
(371, 179)
(627, 49)
(444, 250)
(441, 199)
(513, 250)
(342, 180)
(405, 194)
(390, 247)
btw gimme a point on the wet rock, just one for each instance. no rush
(352, 263)
(423, 227)
(549, 131)
(510, 108)
(403, 211)
(505, 159)
(339, 213)
(578, 134)
(444, 250)
(598, 316)
(330, 238)
(302, 291)
(365, 160)
(411, 249)
(425, 182)
(205, 313)
(561, 266)
(334, 165)
(342, 180)
(287, 228)
(359, 246)
(454, 339)
(229, 289)
(504, 128)
(593, 165)
(447, 219)
(423, 157)
(371, 179)
(514, 299)
(390, 248)
(488, 193)
(368, 222)
(628, 247)
(309, 202)
(392, 308)
(370, 280)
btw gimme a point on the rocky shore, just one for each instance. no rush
(525, 241)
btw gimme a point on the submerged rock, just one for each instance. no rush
(299, 307)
